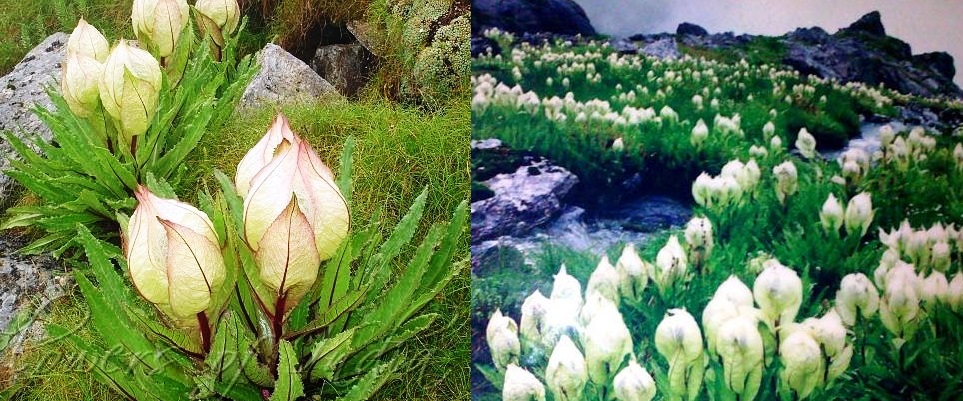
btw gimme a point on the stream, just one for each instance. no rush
(635, 221)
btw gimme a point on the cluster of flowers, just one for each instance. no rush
(590, 342)
(731, 186)
(857, 216)
(926, 255)
(125, 81)
(558, 326)
(294, 218)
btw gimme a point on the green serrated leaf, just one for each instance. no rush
(371, 382)
(328, 354)
(288, 386)
(159, 186)
(343, 305)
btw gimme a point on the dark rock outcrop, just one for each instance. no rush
(518, 16)
(871, 23)
(482, 45)
(346, 66)
(863, 53)
(686, 28)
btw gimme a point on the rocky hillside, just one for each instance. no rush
(861, 52)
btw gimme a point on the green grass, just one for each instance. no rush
(24, 24)
(398, 153)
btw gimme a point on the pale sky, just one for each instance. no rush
(927, 25)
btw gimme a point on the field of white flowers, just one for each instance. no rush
(800, 276)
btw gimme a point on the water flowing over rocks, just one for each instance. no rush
(523, 200)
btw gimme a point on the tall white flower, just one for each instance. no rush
(679, 340)
(607, 344)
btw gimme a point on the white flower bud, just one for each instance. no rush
(129, 89)
(604, 280)
(85, 40)
(159, 23)
(679, 341)
(173, 255)
(521, 385)
(954, 293)
(698, 236)
(502, 336)
(671, 264)
(534, 309)
(856, 295)
(567, 290)
(786, 180)
(803, 363)
(79, 84)
(634, 383)
(831, 215)
(607, 344)
(778, 291)
(566, 373)
(886, 135)
(740, 347)
(699, 133)
(859, 214)
(226, 14)
(633, 274)
(806, 144)
(934, 288)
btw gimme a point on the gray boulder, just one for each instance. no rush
(284, 79)
(20, 90)
(624, 46)
(346, 66)
(525, 199)
(25, 281)
(662, 48)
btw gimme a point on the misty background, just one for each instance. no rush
(927, 25)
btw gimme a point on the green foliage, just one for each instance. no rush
(346, 330)
(429, 57)
(86, 176)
